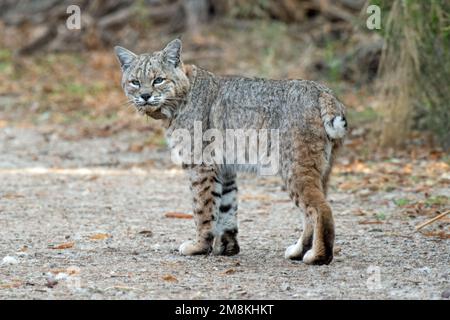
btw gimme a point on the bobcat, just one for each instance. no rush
(311, 124)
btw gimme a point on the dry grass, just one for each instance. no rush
(414, 72)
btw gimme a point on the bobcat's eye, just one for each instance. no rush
(158, 80)
(135, 83)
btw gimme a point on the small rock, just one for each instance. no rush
(146, 233)
(51, 280)
(425, 270)
(8, 260)
(337, 250)
(365, 192)
(22, 254)
(285, 287)
(446, 294)
(61, 276)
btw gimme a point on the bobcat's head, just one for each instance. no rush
(155, 82)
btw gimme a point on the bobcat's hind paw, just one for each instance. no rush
(294, 252)
(312, 257)
(190, 248)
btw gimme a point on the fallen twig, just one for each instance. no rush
(440, 216)
(178, 215)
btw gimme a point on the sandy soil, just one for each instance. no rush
(85, 219)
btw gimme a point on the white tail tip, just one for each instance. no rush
(337, 127)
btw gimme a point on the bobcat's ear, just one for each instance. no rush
(124, 56)
(172, 52)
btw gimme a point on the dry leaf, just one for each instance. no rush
(178, 215)
(100, 236)
(439, 234)
(15, 284)
(56, 271)
(66, 245)
(347, 186)
(73, 270)
(359, 212)
(12, 195)
(229, 271)
(169, 278)
(70, 271)
(136, 147)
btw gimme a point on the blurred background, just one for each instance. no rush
(395, 80)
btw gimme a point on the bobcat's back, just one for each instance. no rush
(244, 103)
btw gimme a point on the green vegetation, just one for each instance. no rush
(333, 61)
(402, 202)
(380, 216)
(437, 200)
(5, 60)
(366, 116)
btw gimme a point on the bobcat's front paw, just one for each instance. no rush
(227, 248)
(312, 257)
(231, 249)
(294, 252)
(190, 248)
(226, 244)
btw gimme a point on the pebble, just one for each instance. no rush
(285, 287)
(425, 270)
(51, 281)
(22, 254)
(61, 276)
(446, 294)
(8, 260)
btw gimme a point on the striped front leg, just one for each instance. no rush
(226, 240)
(207, 190)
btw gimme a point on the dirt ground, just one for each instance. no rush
(86, 219)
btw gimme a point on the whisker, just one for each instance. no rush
(178, 99)
(127, 104)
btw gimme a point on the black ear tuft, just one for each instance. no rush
(125, 57)
(172, 53)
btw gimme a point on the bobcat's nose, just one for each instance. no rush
(145, 96)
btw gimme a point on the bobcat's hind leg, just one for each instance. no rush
(298, 250)
(207, 190)
(306, 187)
(226, 242)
